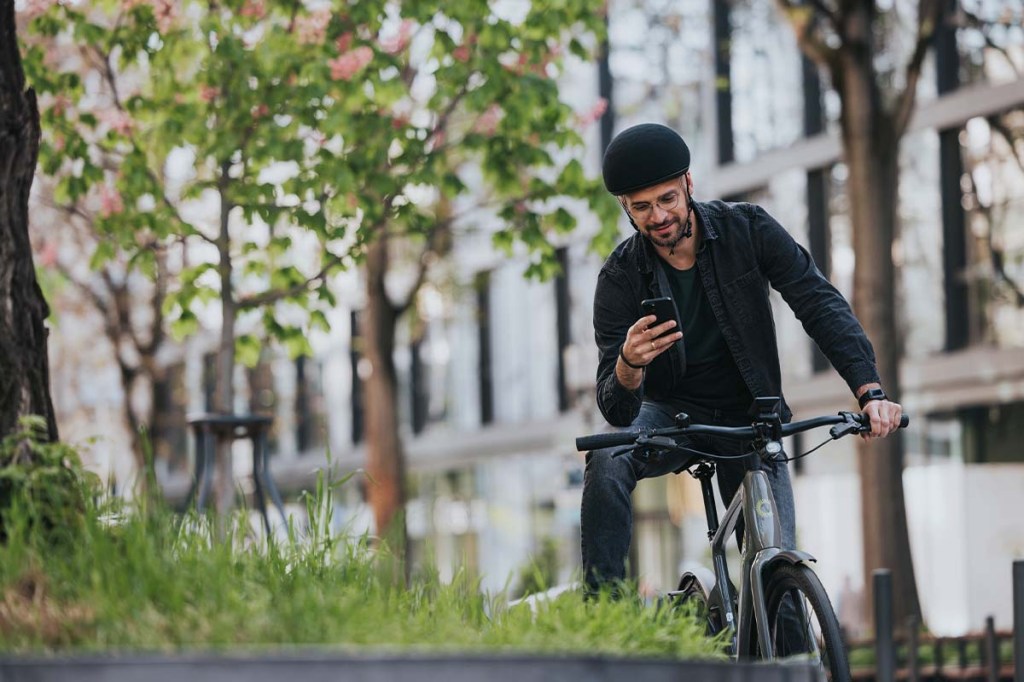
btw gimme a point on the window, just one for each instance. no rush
(263, 398)
(355, 354)
(918, 252)
(310, 415)
(563, 307)
(765, 80)
(993, 183)
(485, 370)
(991, 42)
(993, 434)
(169, 430)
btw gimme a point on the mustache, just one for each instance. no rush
(663, 225)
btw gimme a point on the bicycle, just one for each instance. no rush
(781, 609)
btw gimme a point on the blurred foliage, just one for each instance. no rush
(541, 572)
(308, 132)
(43, 488)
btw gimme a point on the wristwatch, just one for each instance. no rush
(871, 394)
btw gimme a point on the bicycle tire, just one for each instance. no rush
(787, 586)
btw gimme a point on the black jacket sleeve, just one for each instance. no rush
(824, 313)
(614, 312)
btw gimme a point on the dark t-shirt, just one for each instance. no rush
(712, 380)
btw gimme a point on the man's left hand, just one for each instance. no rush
(885, 418)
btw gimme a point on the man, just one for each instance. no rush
(715, 260)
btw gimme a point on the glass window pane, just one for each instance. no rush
(993, 186)
(991, 41)
(918, 251)
(766, 80)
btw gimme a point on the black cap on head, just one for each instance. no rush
(642, 156)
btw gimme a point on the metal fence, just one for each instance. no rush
(987, 656)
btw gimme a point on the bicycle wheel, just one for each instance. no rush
(801, 622)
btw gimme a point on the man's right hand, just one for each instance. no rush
(644, 343)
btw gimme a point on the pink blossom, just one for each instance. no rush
(344, 42)
(35, 8)
(117, 120)
(487, 124)
(398, 42)
(311, 29)
(60, 105)
(208, 93)
(461, 53)
(58, 143)
(254, 8)
(166, 13)
(259, 111)
(345, 66)
(110, 201)
(48, 254)
(519, 67)
(437, 140)
(586, 118)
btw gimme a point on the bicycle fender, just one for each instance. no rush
(792, 556)
(759, 570)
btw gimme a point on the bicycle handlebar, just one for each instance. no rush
(628, 437)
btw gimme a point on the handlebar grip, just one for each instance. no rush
(606, 440)
(862, 418)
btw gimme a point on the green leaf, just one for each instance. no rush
(248, 349)
(104, 253)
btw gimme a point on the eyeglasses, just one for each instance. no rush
(642, 210)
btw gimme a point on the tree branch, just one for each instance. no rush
(111, 79)
(435, 244)
(119, 292)
(275, 295)
(982, 26)
(805, 22)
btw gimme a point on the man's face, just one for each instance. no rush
(660, 211)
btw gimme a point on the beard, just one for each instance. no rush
(668, 238)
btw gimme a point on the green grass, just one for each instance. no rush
(136, 579)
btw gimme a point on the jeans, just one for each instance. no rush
(606, 518)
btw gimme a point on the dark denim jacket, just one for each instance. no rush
(744, 250)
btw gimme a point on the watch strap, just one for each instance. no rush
(871, 394)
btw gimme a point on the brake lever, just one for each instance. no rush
(658, 442)
(646, 443)
(851, 425)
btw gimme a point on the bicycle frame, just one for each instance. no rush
(762, 539)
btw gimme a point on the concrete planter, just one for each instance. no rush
(322, 666)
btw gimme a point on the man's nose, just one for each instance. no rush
(658, 214)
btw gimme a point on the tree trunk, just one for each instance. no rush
(871, 147)
(385, 457)
(24, 367)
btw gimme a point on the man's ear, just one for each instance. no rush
(689, 182)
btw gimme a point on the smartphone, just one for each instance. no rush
(665, 309)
